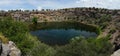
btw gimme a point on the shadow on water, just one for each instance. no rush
(59, 33)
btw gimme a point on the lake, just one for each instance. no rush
(60, 33)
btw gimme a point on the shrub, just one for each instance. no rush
(112, 30)
(10, 28)
(86, 47)
(34, 20)
(42, 50)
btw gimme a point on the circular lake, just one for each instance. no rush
(59, 33)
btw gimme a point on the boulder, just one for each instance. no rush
(10, 49)
(116, 53)
(5, 50)
(14, 51)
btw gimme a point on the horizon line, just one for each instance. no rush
(56, 8)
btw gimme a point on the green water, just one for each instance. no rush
(60, 33)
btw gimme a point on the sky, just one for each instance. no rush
(57, 4)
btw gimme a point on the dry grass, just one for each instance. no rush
(3, 38)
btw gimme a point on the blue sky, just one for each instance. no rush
(56, 4)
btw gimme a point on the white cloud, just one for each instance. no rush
(39, 8)
(85, 0)
(10, 2)
(46, 3)
(111, 4)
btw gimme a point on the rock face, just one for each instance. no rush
(116, 53)
(10, 49)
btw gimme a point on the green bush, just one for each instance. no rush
(42, 50)
(34, 20)
(86, 47)
(11, 28)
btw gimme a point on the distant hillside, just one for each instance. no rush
(77, 14)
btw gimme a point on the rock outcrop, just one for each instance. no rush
(9, 49)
